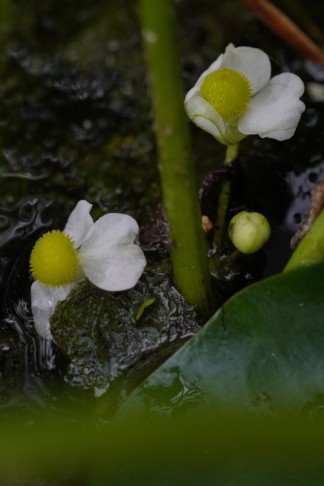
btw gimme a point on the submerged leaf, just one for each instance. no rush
(99, 332)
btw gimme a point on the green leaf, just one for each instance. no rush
(262, 352)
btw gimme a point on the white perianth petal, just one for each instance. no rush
(109, 230)
(276, 110)
(209, 127)
(196, 88)
(250, 61)
(205, 116)
(290, 81)
(79, 223)
(43, 303)
(108, 255)
(119, 270)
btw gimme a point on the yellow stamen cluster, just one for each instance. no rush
(53, 260)
(228, 91)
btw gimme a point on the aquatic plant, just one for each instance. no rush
(104, 252)
(236, 97)
(188, 248)
(261, 352)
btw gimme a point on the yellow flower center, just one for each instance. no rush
(228, 91)
(53, 260)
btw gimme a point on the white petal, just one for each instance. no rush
(196, 89)
(275, 111)
(206, 117)
(109, 257)
(198, 109)
(109, 230)
(209, 127)
(213, 67)
(120, 269)
(250, 61)
(79, 222)
(43, 303)
(290, 81)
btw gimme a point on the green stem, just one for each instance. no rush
(231, 153)
(188, 246)
(223, 200)
(311, 249)
(221, 213)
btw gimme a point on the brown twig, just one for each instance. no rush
(285, 28)
(302, 14)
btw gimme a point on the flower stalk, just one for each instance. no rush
(223, 200)
(231, 153)
(176, 165)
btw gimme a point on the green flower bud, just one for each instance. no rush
(249, 231)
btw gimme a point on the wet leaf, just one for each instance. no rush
(99, 332)
(262, 352)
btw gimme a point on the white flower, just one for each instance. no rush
(235, 97)
(104, 252)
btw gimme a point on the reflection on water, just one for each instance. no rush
(172, 394)
(20, 222)
(24, 357)
(35, 357)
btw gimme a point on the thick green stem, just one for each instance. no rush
(311, 248)
(188, 246)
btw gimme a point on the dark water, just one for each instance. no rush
(76, 124)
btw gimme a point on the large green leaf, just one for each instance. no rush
(262, 352)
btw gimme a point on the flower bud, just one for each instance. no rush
(249, 231)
